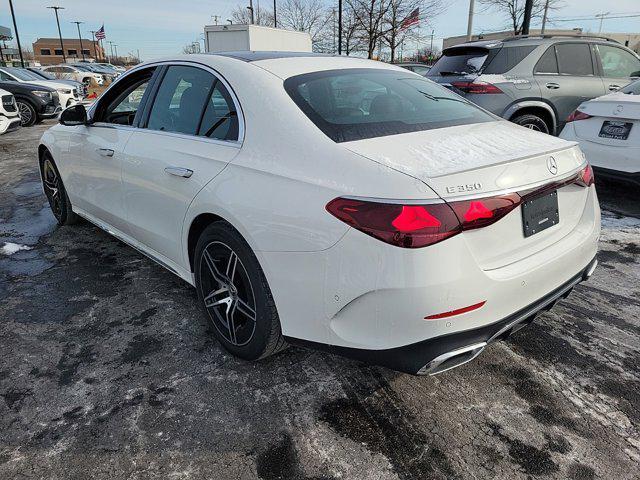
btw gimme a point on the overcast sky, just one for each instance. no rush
(163, 27)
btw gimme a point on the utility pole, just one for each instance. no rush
(93, 39)
(116, 49)
(215, 19)
(15, 28)
(526, 20)
(470, 23)
(111, 48)
(339, 27)
(55, 9)
(250, 8)
(80, 38)
(544, 17)
(601, 17)
(275, 21)
(431, 50)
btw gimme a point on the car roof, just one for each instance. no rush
(532, 40)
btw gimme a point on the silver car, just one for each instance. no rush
(536, 81)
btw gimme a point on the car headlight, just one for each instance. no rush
(66, 92)
(42, 94)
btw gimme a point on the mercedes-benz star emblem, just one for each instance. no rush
(552, 165)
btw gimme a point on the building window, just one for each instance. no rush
(72, 51)
(45, 51)
(58, 51)
(86, 51)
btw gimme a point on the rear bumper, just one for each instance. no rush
(439, 354)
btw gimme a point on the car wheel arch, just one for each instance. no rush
(535, 107)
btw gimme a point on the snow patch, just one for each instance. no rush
(10, 248)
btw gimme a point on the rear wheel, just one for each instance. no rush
(28, 115)
(532, 122)
(55, 192)
(234, 294)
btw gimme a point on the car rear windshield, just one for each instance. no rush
(460, 61)
(355, 104)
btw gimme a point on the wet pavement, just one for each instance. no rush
(108, 371)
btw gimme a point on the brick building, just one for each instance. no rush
(47, 51)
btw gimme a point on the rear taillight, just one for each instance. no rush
(481, 212)
(577, 115)
(476, 87)
(585, 176)
(415, 226)
(408, 226)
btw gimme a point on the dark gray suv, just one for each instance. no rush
(536, 81)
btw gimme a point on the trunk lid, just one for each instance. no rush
(483, 160)
(615, 107)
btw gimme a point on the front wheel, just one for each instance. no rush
(28, 115)
(234, 294)
(55, 192)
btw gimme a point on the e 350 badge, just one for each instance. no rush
(469, 187)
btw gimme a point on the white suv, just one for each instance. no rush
(9, 116)
(70, 72)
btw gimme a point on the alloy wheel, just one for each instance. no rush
(51, 183)
(228, 294)
(26, 115)
(532, 126)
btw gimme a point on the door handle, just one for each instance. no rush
(105, 152)
(614, 88)
(179, 171)
(552, 86)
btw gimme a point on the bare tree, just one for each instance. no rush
(395, 31)
(306, 16)
(369, 17)
(193, 47)
(514, 10)
(242, 15)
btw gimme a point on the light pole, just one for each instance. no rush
(470, 22)
(601, 17)
(93, 39)
(111, 48)
(339, 27)
(250, 8)
(80, 38)
(55, 9)
(15, 28)
(544, 17)
(526, 20)
(275, 21)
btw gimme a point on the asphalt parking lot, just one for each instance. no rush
(108, 370)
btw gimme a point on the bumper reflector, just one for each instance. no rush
(455, 312)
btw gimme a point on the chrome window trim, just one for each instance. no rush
(241, 122)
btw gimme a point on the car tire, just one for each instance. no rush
(55, 192)
(532, 122)
(234, 294)
(28, 114)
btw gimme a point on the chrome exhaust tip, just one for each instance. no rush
(452, 359)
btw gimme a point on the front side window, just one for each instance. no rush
(181, 100)
(618, 63)
(121, 103)
(355, 104)
(574, 59)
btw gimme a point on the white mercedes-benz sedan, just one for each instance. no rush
(338, 203)
(608, 131)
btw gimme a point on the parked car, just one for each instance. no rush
(608, 131)
(9, 116)
(409, 230)
(419, 68)
(67, 94)
(70, 72)
(117, 68)
(107, 74)
(81, 87)
(536, 81)
(35, 102)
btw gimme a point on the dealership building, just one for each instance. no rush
(47, 51)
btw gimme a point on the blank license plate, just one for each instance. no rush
(615, 130)
(540, 213)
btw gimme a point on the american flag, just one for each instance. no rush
(100, 35)
(412, 19)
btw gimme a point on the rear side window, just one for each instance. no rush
(460, 61)
(507, 58)
(220, 120)
(180, 100)
(354, 104)
(574, 59)
(548, 63)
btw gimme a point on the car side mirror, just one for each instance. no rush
(74, 115)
